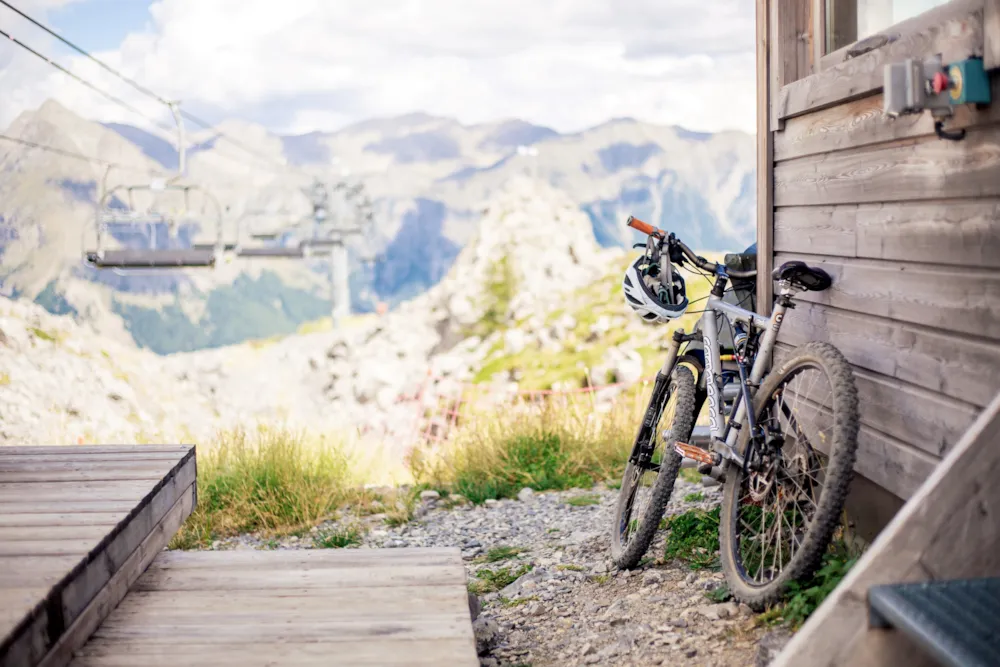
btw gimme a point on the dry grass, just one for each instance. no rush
(561, 442)
(268, 481)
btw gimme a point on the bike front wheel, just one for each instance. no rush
(779, 512)
(652, 468)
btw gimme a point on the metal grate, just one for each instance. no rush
(956, 622)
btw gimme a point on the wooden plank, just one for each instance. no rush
(59, 547)
(818, 36)
(80, 476)
(118, 585)
(949, 298)
(862, 123)
(765, 164)
(793, 39)
(68, 492)
(954, 30)
(25, 464)
(955, 232)
(947, 363)
(913, 170)
(910, 414)
(350, 601)
(361, 653)
(78, 450)
(61, 519)
(69, 456)
(958, 504)
(170, 580)
(991, 34)
(310, 558)
(64, 506)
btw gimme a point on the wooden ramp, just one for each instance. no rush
(78, 524)
(298, 607)
(949, 529)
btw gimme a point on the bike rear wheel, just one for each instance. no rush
(645, 491)
(780, 511)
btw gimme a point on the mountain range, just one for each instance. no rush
(427, 178)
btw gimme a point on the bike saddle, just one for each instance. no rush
(800, 273)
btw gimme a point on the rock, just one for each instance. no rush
(487, 634)
(650, 577)
(770, 645)
(429, 495)
(491, 503)
(525, 494)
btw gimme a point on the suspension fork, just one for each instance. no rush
(642, 452)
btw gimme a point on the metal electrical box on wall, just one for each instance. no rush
(913, 86)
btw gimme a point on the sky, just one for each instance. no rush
(297, 66)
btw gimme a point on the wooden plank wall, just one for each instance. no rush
(909, 227)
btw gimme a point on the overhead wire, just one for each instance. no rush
(137, 86)
(117, 100)
(78, 156)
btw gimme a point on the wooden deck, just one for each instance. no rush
(302, 607)
(77, 527)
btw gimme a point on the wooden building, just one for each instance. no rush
(906, 222)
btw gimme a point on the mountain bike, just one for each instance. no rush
(786, 463)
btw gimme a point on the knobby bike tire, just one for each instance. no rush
(681, 384)
(837, 479)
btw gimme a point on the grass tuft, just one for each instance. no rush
(584, 500)
(270, 481)
(497, 554)
(554, 444)
(490, 581)
(693, 538)
(348, 536)
(694, 497)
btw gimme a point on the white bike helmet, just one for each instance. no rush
(643, 298)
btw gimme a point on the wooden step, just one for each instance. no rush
(324, 607)
(78, 525)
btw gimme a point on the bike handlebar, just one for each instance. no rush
(697, 260)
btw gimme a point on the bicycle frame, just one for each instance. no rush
(724, 438)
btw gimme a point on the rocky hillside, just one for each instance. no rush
(428, 178)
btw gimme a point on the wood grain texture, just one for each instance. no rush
(991, 35)
(958, 504)
(947, 298)
(66, 534)
(321, 653)
(956, 232)
(118, 585)
(262, 608)
(958, 367)
(924, 419)
(955, 31)
(863, 123)
(765, 164)
(917, 169)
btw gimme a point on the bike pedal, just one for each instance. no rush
(692, 452)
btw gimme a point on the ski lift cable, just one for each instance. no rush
(139, 87)
(117, 100)
(78, 156)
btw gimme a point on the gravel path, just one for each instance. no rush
(566, 607)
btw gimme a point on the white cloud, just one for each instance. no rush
(300, 65)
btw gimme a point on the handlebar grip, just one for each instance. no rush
(644, 227)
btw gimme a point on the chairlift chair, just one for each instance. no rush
(197, 256)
